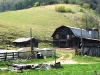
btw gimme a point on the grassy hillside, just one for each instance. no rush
(43, 20)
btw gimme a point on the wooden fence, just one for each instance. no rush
(24, 55)
(14, 55)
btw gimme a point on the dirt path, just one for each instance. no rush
(67, 60)
(63, 60)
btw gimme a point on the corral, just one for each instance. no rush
(25, 53)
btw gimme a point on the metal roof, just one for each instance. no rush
(22, 39)
(77, 32)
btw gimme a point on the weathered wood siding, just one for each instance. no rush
(64, 38)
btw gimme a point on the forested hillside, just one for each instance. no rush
(6, 5)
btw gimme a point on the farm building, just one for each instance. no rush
(65, 36)
(25, 42)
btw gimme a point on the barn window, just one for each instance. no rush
(57, 36)
(73, 36)
(68, 37)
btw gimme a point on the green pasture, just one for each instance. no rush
(43, 20)
(75, 69)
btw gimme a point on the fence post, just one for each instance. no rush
(18, 54)
(95, 73)
(5, 56)
(76, 52)
(13, 55)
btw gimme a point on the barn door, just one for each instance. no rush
(63, 44)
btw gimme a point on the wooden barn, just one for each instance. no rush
(25, 42)
(65, 36)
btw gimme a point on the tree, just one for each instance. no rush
(98, 6)
(36, 4)
(86, 6)
(66, 1)
(72, 1)
(92, 21)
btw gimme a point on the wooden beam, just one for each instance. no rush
(31, 43)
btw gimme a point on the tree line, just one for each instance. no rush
(6, 5)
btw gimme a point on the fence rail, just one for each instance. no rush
(25, 55)
(12, 55)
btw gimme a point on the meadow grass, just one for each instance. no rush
(75, 69)
(43, 21)
(87, 59)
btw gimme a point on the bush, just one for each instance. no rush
(81, 10)
(60, 9)
(52, 2)
(43, 4)
(86, 6)
(36, 4)
(68, 10)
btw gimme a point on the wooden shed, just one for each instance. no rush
(25, 42)
(90, 47)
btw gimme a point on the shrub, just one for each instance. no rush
(68, 10)
(43, 4)
(81, 10)
(36, 4)
(86, 6)
(60, 9)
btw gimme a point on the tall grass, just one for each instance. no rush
(60, 9)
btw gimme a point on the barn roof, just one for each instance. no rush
(76, 32)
